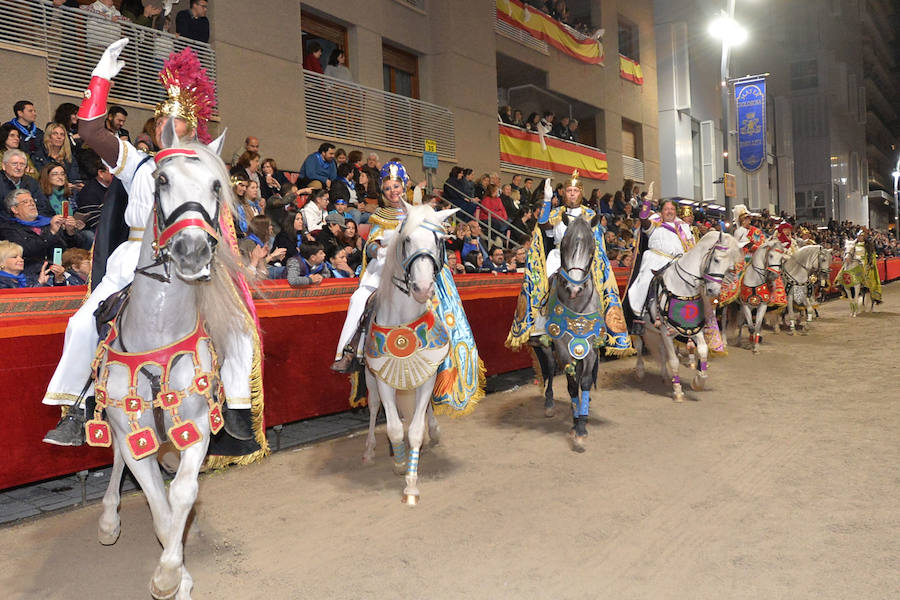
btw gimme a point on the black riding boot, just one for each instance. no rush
(349, 362)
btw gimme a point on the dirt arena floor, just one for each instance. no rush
(779, 481)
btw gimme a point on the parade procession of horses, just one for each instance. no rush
(167, 349)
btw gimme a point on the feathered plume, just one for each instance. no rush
(192, 95)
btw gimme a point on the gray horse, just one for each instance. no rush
(575, 327)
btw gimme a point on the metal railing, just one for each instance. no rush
(492, 222)
(74, 39)
(519, 35)
(343, 110)
(632, 168)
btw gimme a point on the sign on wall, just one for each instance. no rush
(750, 97)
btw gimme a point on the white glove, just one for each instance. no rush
(548, 190)
(385, 242)
(109, 64)
(650, 191)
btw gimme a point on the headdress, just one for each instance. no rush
(803, 230)
(738, 212)
(784, 226)
(575, 181)
(191, 94)
(685, 211)
(394, 170)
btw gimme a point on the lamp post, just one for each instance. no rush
(896, 175)
(725, 28)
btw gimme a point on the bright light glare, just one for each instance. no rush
(728, 30)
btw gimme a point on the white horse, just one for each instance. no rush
(851, 278)
(756, 284)
(677, 304)
(406, 342)
(157, 370)
(800, 272)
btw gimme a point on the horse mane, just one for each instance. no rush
(712, 238)
(219, 302)
(415, 216)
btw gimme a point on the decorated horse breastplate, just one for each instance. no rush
(405, 356)
(142, 442)
(579, 331)
(756, 295)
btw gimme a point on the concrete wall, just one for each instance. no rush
(28, 69)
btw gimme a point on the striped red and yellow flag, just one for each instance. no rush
(631, 70)
(523, 148)
(544, 28)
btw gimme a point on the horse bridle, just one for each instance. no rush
(406, 263)
(564, 271)
(771, 271)
(707, 260)
(166, 226)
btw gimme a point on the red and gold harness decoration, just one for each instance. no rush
(524, 148)
(142, 441)
(631, 70)
(405, 356)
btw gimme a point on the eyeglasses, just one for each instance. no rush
(57, 173)
(26, 202)
(18, 164)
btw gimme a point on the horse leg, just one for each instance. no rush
(724, 327)
(374, 406)
(664, 358)
(791, 316)
(699, 380)
(548, 366)
(572, 388)
(434, 429)
(673, 364)
(691, 347)
(169, 574)
(110, 525)
(416, 437)
(583, 376)
(757, 326)
(639, 348)
(394, 426)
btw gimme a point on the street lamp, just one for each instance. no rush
(725, 28)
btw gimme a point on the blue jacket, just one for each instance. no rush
(315, 167)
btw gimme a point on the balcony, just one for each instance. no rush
(524, 152)
(338, 110)
(531, 27)
(633, 168)
(73, 41)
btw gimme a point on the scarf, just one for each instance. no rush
(41, 221)
(56, 199)
(258, 241)
(313, 271)
(20, 278)
(28, 133)
(242, 218)
(350, 185)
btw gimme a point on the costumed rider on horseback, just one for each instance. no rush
(530, 320)
(190, 104)
(667, 238)
(385, 220)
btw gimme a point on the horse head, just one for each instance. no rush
(188, 198)
(419, 251)
(722, 255)
(823, 264)
(576, 252)
(774, 257)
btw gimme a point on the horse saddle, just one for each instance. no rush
(109, 309)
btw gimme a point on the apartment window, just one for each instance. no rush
(629, 41)
(805, 74)
(328, 34)
(631, 139)
(401, 71)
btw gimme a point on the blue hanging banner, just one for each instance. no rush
(750, 96)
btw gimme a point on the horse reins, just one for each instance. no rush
(406, 263)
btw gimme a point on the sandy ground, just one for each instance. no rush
(779, 481)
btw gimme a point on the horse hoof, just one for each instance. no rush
(577, 442)
(755, 350)
(399, 468)
(639, 374)
(698, 383)
(434, 436)
(164, 594)
(109, 538)
(790, 332)
(549, 411)
(368, 459)
(410, 499)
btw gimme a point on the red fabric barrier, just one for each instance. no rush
(892, 269)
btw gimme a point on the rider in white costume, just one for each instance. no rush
(669, 237)
(384, 221)
(135, 170)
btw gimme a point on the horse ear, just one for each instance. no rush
(442, 215)
(169, 137)
(217, 144)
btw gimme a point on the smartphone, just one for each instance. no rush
(65, 209)
(57, 256)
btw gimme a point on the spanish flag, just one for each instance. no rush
(630, 70)
(542, 27)
(521, 147)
